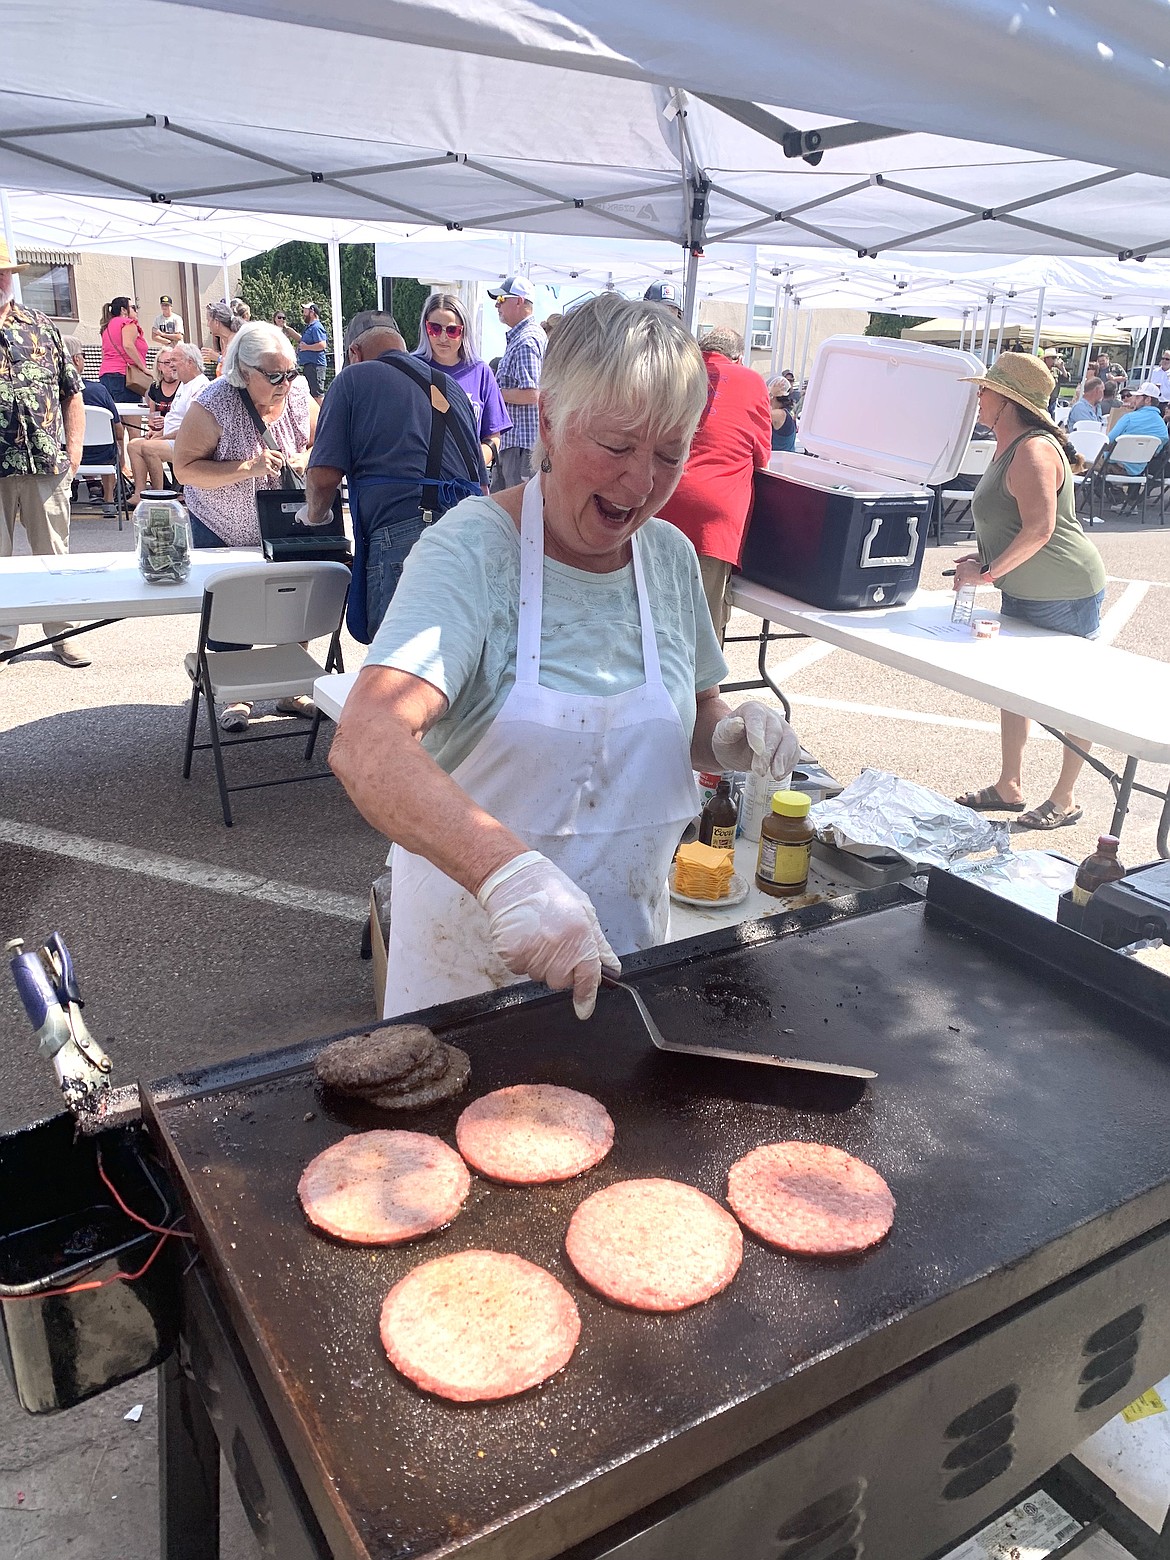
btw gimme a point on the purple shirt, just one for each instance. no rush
(478, 384)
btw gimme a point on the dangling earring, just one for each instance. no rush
(546, 465)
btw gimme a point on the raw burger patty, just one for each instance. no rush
(452, 1081)
(374, 1059)
(810, 1198)
(655, 1245)
(479, 1325)
(534, 1132)
(380, 1188)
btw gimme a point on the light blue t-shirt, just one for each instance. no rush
(1146, 420)
(453, 620)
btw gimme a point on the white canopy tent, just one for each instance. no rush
(416, 131)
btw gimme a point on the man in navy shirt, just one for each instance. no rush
(375, 429)
(310, 344)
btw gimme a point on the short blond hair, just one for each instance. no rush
(618, 357)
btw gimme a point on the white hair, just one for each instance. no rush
(249, 344)
(188, 349)
(619, 357)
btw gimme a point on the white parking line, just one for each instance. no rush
(1119, 614)
(920, 717)
(175, 869)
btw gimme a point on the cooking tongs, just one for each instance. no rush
(48, 989)
(724, 1053)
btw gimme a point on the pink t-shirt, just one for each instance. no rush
(114, 359)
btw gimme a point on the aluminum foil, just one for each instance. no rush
(1035, 878)
(881, 814)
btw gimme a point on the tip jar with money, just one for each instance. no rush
(162, 536)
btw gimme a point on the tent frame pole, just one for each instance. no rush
(1039, 319)
(335, 304)
(751, 308)
(10, 240)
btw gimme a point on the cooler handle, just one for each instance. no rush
(866, 562)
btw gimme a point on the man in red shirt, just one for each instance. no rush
(712, 503)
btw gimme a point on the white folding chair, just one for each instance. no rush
(1088, 439)
(1133, 449)
(976, 459)
(99, 431)
(274, 606)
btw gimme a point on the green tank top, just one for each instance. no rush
(1068, 567)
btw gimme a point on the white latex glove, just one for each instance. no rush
(302, 517)
(756, 737)
(542, 925)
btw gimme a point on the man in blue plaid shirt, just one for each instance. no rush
(519, 379)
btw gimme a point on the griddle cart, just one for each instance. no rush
(844, 524)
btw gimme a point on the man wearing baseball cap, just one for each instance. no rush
(668, 294)
(42, 430)
(518, 376)
(1144, 417)
(311, 344)
(168, 329)
(1055, 365)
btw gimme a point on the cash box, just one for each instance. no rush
(844, 524)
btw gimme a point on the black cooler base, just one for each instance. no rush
(836, 550)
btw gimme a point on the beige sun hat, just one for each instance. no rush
(1023, 379)
(7, 263)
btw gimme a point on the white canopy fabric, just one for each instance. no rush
(415, 131)
(1031, 75)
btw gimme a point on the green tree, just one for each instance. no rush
(407, 299)
(284, 278)
(894, 324)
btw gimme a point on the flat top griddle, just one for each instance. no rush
(1019, 1119)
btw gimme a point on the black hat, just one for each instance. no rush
(669, 293)
(164, 299)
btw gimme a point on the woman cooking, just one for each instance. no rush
(543, 684)
(1031, 545)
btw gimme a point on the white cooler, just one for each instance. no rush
(844, 525)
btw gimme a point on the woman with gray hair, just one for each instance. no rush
(543, 684)
(220, 455)
(445, 339)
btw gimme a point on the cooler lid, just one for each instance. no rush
(899, 408)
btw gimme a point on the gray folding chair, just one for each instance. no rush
(976, 459)
(274, 606)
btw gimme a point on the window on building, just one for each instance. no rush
(49, 289)
(762, 317)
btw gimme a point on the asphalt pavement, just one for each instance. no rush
(195, 942)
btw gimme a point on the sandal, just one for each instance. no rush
(300, 705)
(234, 717)
(1049, 816)
(988, 800)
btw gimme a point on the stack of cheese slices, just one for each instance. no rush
(701, 872)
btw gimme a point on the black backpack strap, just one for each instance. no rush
(436, 387)
(268, 440)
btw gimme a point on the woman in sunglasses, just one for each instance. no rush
(222, 452)
(446, 340)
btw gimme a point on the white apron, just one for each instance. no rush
(602, 786)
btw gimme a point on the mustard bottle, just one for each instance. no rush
(786, 838)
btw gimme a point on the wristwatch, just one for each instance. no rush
(985, 573)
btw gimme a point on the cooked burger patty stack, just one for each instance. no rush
(397, 1067)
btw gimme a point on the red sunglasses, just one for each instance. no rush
(452, 332)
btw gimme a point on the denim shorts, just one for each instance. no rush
(315, 376)
(385, 554)
(1082, 617)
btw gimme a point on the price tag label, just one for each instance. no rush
(1144, 1407)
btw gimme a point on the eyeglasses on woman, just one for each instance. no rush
(452, 332)
(282, 376)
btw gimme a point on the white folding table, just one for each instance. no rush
(1093, 690)
(95, 589)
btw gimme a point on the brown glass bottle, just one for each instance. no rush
(718, 820)
(1101, 867)
(786, 838)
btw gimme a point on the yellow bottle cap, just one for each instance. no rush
(791, 804)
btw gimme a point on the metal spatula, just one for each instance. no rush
(726, 1053)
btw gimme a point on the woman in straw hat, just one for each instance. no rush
(1032, 547)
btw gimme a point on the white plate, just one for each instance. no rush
(737, 892)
